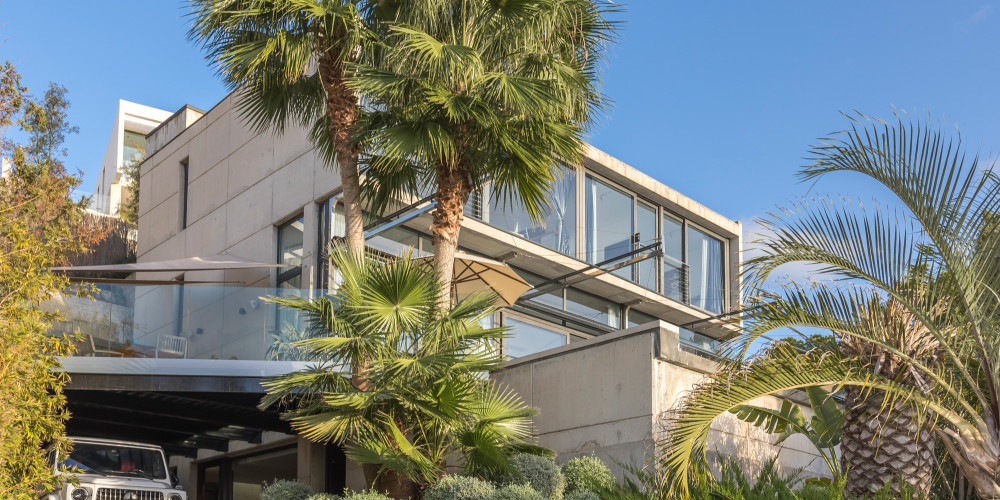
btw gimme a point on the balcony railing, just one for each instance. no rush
(180, 321)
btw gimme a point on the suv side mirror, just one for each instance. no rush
(174, 481)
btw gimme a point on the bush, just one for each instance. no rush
(541, 473)
(459, 488)
(582, 495)
(281, 489)
(351, 495)
(587, 473)
(517, 492)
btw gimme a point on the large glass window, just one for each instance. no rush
(609, 224)
(673, 258)
(705, 263)
(526, 338)
(645, 221)
(556, 230)
(593, 308)
(133, 146)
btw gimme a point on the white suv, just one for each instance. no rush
(116, 470)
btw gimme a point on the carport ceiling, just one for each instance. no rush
(180, 422)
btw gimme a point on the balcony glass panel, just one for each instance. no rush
(673, 258)
(526, 338)
(645, 218)
(705, 263)
(609, 224)
(556, 230)
(175, 321)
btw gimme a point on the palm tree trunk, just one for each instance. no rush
(454, 188)
(342, 116)
(882, 446)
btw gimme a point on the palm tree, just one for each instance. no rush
(476, 90)
(425, 401)
(288, 60)
(916, 316)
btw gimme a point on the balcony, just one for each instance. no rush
(179, 322)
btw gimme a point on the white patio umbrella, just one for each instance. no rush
(475, 274)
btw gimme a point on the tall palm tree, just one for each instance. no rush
(288, 61)
(425, 401)
(917, 314)
(477, 90)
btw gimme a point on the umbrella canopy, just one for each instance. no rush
(476, 274)
(188, 264)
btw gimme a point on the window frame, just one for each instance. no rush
(287, 274)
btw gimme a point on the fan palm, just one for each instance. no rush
(916, 315)
(288, 62)
(475, 90)
(426, 399)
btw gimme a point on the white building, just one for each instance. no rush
(631, 280)
(127, 142)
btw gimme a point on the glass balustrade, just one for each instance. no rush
(181, 321)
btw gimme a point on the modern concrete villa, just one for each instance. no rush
(632, 284)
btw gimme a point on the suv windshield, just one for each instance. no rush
(107, 459)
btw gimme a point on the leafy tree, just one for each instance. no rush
(824, 430)
(474, 90)
(37, 217)
(128, 209)
(289, 61)
(922, 355)
(400, 383)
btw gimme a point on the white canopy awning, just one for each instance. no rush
(188, 264)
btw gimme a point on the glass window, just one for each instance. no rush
(556, 230)
(116, 460)
(705, 262)
(290, 243)
(609, 224)
(699, 341)
(593, 308)
(526, 338)
(645, 218)
(673, 258)
(133, 146)
(636, 318)
(552, 299)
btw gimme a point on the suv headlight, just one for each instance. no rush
(175, 496)
(80, 494)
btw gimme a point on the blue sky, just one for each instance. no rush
(718, 100)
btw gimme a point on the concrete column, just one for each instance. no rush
(312, 464)
(310, 244)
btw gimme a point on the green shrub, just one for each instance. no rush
(517, 492)
(459, 488)
(541, 473)
(587, 473)
(581, 494)
(281, 489)
(325, 496)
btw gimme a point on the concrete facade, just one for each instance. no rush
(211, 185)
(630, 380)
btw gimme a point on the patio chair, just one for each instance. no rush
(93, 351)
(174, 346)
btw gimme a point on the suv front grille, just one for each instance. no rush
(124, 494)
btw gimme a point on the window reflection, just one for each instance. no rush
(705, 261)
(526, 338)
(645, 218)
(592, 308)
(133, 146)
(673, 258)
(609, 224)
(556, 230)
